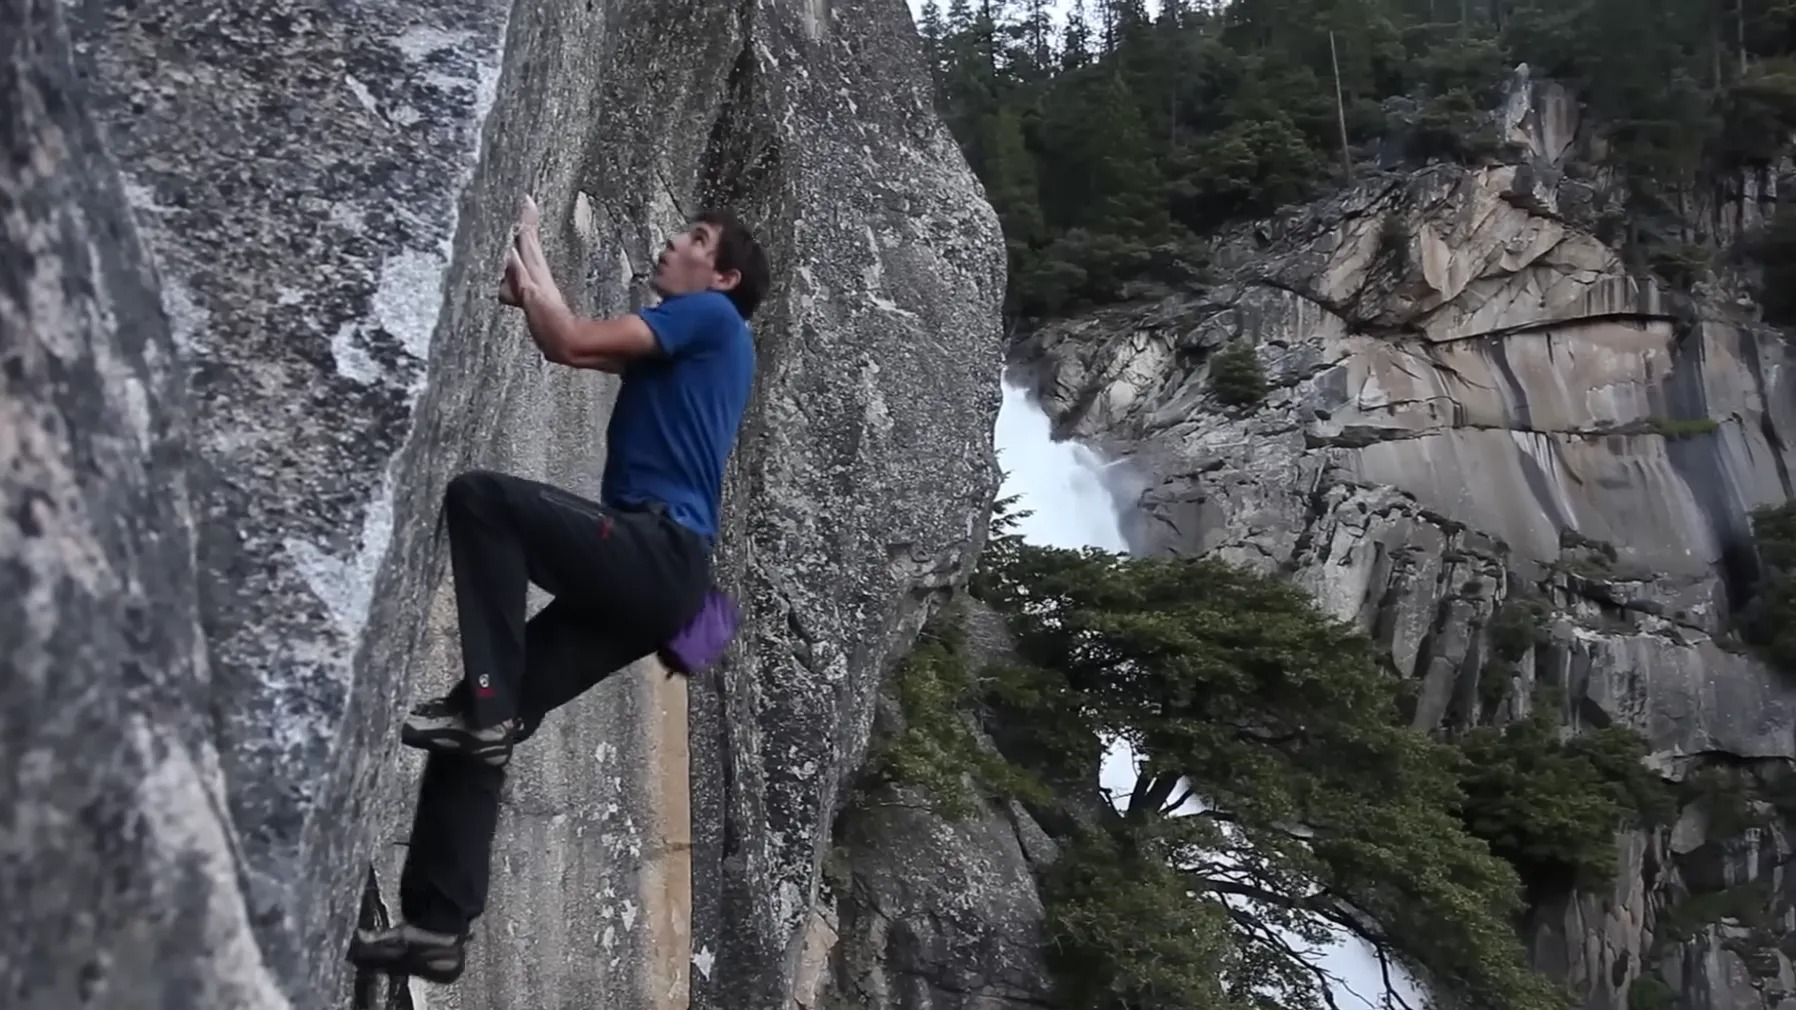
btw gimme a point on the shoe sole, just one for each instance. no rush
(453, 742)
(399, 959)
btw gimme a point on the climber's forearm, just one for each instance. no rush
(567, 339)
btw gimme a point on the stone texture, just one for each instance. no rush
(922, 912)
(297, 171)
(1469, 399)
(937, 915)
(119, 868)
(326, 192)
(865, 479)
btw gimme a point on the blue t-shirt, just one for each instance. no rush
(677, 414)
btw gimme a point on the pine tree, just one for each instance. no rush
(1010, 185)
(931, 26)
(1036, 32)
(1075, 47)
(1127, 191)
(973, 78)
(1320, 805)
(960, 17)
(934, 32)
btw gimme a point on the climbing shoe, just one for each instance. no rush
(439, 725)
(408, 950)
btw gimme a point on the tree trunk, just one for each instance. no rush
(1340, 106)
(1740, 32)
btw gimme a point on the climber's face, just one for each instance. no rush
(689, 263)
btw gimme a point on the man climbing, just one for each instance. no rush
(627, 573)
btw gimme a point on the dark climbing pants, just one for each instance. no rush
(624, 581)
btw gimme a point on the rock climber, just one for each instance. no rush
(628, 573)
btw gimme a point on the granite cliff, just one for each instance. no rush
(1475, 418)
(249, 336)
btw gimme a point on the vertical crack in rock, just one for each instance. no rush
(373, 990)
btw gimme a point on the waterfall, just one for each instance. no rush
(1063, 484)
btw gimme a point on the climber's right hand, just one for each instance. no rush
(515, 280)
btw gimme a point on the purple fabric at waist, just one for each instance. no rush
(704, 638)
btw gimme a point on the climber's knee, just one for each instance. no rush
(469, 490)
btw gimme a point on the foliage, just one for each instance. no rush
(1519, 623)
(1319, 812)
(1236, 376)
(1768, 621)
(1683, 427)
(938, 750)
(1776, 249)
(1323, 812)
(1651, 993)
(1101, 896)
(1745, 903)
(1111, 143)
(1551, 807)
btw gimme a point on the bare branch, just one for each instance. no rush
(1322, 904)
(1390, 991)
(1259, 932)
(1224, 816)
(1138, 795)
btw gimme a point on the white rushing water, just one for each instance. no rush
(1061, 483)
(1066, 489)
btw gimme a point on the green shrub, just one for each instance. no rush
(1236, 376)
(1675, 428)
(1768, 621)
(1552, 807)
(939, 751)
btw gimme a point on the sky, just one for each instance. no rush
(1062, 485)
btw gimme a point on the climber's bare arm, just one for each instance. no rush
(567, 339)
(562, 336)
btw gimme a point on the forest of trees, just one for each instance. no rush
(1114, 141)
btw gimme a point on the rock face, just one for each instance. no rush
(119, 880)
(933, 912)
(937, 914)
(326, 192)
(1470, 403)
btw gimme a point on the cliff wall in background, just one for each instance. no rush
(1470, 405)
